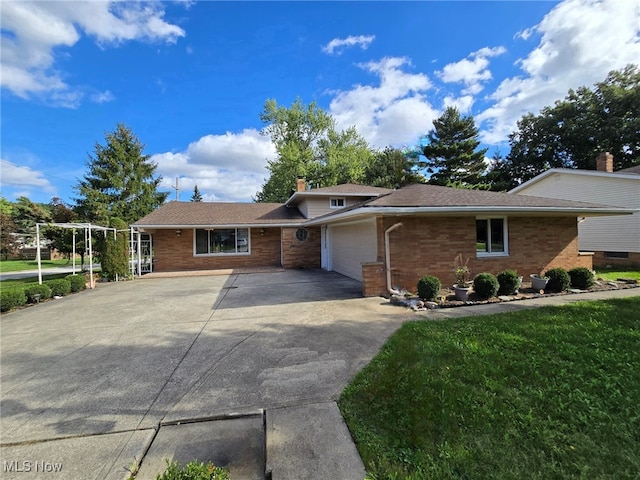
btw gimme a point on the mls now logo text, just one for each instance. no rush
(27, 466)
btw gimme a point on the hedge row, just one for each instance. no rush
(507, 282)
(15, 297)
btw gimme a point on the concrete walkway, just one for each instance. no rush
(241, 370)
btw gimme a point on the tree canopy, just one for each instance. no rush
(451, 150)
(120, 182)
(572, 132)
(309, 145)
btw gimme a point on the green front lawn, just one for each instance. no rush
(613, 275)
(17, 265)
(537, 394)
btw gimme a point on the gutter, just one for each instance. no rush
(388, 253)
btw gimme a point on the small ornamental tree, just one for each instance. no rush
(115, 254)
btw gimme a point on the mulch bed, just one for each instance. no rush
(447, 298)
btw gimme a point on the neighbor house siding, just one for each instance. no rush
(173, 253)
(617, 233)
(428, 245)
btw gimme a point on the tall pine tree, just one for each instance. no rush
(120, 182)
(451, 153)
(197, 196)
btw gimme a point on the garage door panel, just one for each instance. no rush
(352, 245)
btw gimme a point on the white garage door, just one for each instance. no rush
(351, 245)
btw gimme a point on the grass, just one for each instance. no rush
(550, 393)
(17, 265)
(613, 275)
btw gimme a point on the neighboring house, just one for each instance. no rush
(614, 240)
(383, 238)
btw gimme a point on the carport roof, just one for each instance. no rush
(194, 214)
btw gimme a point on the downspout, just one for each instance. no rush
(388, 253)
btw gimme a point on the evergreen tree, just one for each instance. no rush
(451, 150)
(120, 182)
(114, 252)
(197, 196)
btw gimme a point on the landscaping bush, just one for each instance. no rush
(486, 285)
(558, 280)
(194, 471)
(32, 290)
(78, 282)
(59, 287)
(429, 287)
(509, 282)
(12, 298)
(581, 277)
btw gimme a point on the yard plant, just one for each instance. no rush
(581, 278)
(44, 292)
(77, 282)
(509, 282)
(59, 286)
(559, 280)
(486, 285)
(12, 298)
(429, 287)
(536, 394)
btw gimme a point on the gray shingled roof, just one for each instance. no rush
(420, 195)
(215, 213)
(345, 189)
(630, 171)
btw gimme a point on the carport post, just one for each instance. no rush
(91, 283)
(38, 253)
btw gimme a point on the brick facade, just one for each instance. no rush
(632, 262)
(428, 245)
(175, 253)
(301, 254)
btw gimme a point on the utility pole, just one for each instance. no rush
(176, 188)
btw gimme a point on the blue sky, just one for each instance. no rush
(191, 78)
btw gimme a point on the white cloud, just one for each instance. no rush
(31, 31)
(103, 97)
(15, 176)
(394, 112)
(463, 103)
(363, 41)
(472, 71)
(581, 41)
(230, 167)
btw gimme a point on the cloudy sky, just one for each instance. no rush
(191, 78)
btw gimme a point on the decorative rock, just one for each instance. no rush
(613, 284)
(430, 305)
(505, 298)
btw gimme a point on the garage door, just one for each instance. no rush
(351, 245)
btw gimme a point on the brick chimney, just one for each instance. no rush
(604, 162)
(301, 185)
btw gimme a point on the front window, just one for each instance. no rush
(222, 241)
(337, 202)
(491, 236)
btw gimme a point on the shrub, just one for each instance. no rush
(59, 287)
(12, 298)
(558, 280)
(509, 282)
(32, 290)
(428, 287)
(486, 285)
(194, 471)
(581, 277)
(77, 282)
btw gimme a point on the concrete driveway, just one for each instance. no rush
(184, 368)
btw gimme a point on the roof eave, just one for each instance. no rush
(230, 225)
(470, 210)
